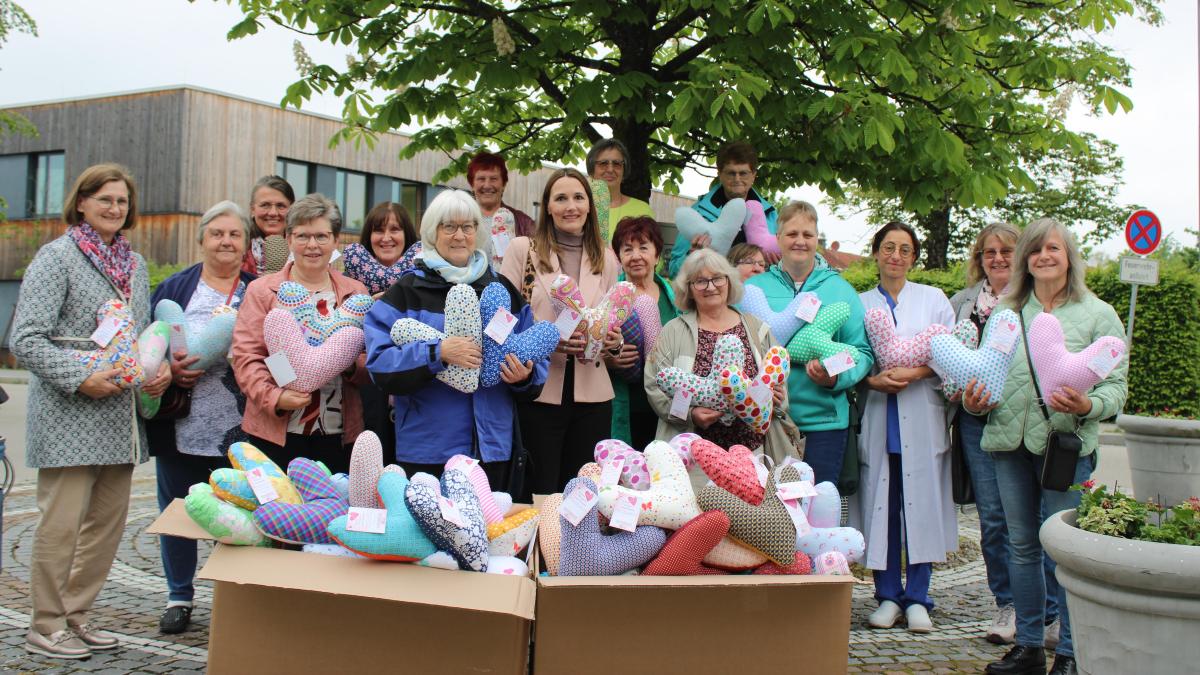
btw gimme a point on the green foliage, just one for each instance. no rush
(158, 272)
(1116, 514)
(864, 275)
(1178, 525)
(13, 19)
(1164, 367)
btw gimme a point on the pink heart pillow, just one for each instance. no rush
(614, 309)
(757, 231)
(492, 513)
(833, 563)
(733, 470)
(682, 443)
(892, 351)
(634, 473)
(315, 366)
(1056, 367)
(803, 565)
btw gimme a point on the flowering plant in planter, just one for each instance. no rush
(1118, 515)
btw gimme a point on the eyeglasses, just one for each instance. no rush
(715, 282)
(890, 248)
(279, 207)
(322, 238)
(451, 228)
(740, 175)
(613, 163)
(993, 253)
(753, 261)
(109, 202)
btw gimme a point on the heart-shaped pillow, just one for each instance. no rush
(366, 466)
(318, 328)
(467, 540)
(587, 552)
(152, 349)
(832, 563)
(227, 523)
(613, 311)
(802, 566)
(734, 470)
(757, 230)
(739, 390)
(641, 330)
(825, 509)
(690, 224)
(846, 541)
(511, 535)
(783, 324)
(462, 320)
(507, 565)
(535, 343)
(314, 366)
(364, 268)
(121, 351)
(670, 500)
(634, 473)
(731, 556)
(492, 513)
(966, 333)
(682, 443)
(1057, 367)
(275, 254)
(892, 351)
(402, 539)
(602, 200)
(706, 390)
(815, 340)
(684, 552)
(766, 527)
(305, 523)
(987, 365)
(550, 532)
(212, 343)
(232, 485)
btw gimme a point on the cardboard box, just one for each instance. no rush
(279, 611)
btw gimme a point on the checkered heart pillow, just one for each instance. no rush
(320, 327)
(739, 389)
(767, 527)
(602, 199)
(686, 548)
(535, 343)
(492, 513)
(233, 486)
(364, 268)
(641, 330)
(634, 473)
(550, 533)
(227, 523)
(511, 535)
(669, 502)
(402, 539)
(587, 552)
(706, 390)
(462, 320)
(966, 333)
(614, 309)
(305, 523)
(121, 351)
(783, 324)
(275, 254)
(466, 540)
(210, 344)
(314, 366)
(815, 341)
(734, 470)
(690, 224)
(986, 365)
(892, 351)
(1057, 367)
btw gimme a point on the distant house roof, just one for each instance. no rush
(839, 259)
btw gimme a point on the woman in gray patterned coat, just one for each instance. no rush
(83, 433)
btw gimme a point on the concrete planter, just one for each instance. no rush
(1135, 605)
(1164, 457)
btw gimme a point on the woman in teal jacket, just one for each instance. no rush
(818, 403)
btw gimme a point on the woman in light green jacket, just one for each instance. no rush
(1048, 277)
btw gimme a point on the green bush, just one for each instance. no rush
(864, 275)
(158, 272)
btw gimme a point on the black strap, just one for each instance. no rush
(1032, 373)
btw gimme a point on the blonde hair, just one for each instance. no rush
(1005, 232)
(696, 262)
(797, 208)
(1031, 240)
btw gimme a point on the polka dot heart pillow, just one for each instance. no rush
(462, 320)
(988, 364)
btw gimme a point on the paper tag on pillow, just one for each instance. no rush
(626, 511)
(760, 392)
(577, 504)
(360, 519)
(1003, 336)
(500, 241)
(567, 322)
(281, 369)
(264, 492)
(107, 330)
(838, 363)
(1103, 363)
(178, 339)
(797, 489)
(450, 512)
(501, 325)
(681, 404)
(798, 518)
(611, 473)
(807, 311)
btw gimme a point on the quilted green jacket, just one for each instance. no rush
(1018, 418)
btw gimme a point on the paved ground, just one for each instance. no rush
(135, 593)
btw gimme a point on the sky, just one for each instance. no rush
(139, 44)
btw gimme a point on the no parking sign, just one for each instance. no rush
(1143, 232)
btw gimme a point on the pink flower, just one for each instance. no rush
(1089, 484)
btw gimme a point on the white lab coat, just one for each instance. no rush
(932, 528)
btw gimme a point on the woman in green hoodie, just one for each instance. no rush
(818, 403)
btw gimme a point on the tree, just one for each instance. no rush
(13, 19)
(930, 101)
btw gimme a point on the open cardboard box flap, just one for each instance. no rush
(399, 582)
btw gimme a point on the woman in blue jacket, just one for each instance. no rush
(433, 420)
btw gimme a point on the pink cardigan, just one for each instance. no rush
(250, 369)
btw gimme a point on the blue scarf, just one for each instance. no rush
(476, 266)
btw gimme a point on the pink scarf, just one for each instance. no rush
(114, 260)
(986, 301)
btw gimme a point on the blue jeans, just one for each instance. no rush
(887, 582)
(824, 452)
(1024, 500)
(993, 531)
(176, 473)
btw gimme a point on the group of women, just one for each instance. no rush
(538, 425)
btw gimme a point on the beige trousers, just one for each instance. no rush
(83, 516)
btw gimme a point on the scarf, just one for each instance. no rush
(986, 301)
(475, 268)
(114, 260)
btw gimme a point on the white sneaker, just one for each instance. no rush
(918, 619)
(1004, 626)
(1051, 636)
(886, 616)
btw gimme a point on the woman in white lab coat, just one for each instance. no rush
(905, 495)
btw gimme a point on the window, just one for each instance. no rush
(351, 198)
(48, 184)
(296, 174)
(408, 196)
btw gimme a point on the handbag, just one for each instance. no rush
(176, 403)
(961, 488)
(848, 479)
(1062, 447)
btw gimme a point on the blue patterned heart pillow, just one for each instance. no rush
(783, 324)
(987, 365)
(317, 326)
(402, 539)
(462, 320)
(588, 552)
(535, 343)
(210, 344)
(436, 512)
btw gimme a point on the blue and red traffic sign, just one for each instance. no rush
(1143, 232)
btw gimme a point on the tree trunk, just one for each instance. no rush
(636, 138)
(936, 227)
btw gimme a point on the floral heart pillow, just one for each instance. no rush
(587, 552)
(511, 535)
(896, 352)
(152, 349)
(751, 399)
(734, 470)
(462, 320)
(232, 485)
(535, 343)
(314, 366)
(634, 474)
(602, 199)
(614, 310)
(815, 341)
(783, 324)
(641, 330)
(846, 541)
(1058, 367)
(402, 539)
(669, 502)
(121, 351)
(364, 268)
(451, 518)
(210, 344)
(722, 231)
(766, 527)
(319, 327)
(706, 390)
(757, 230)
(227, 523)
(684, 552)
(305, 523)
(833, 563)
(988, 365)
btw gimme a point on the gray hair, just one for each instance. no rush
(1005, 232)
(693, 265)
(311, 207)
(1031, 241)
(601, 146)
(452, 205)
(224, 208)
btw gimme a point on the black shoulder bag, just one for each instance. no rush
(1062, 447)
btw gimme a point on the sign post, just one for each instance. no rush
(1143, 234)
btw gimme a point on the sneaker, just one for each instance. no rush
(95, 638)
(918, 619)
(1004, 626)
(1052, 634)
(61, 644)
(886, 616)
(175, 619)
